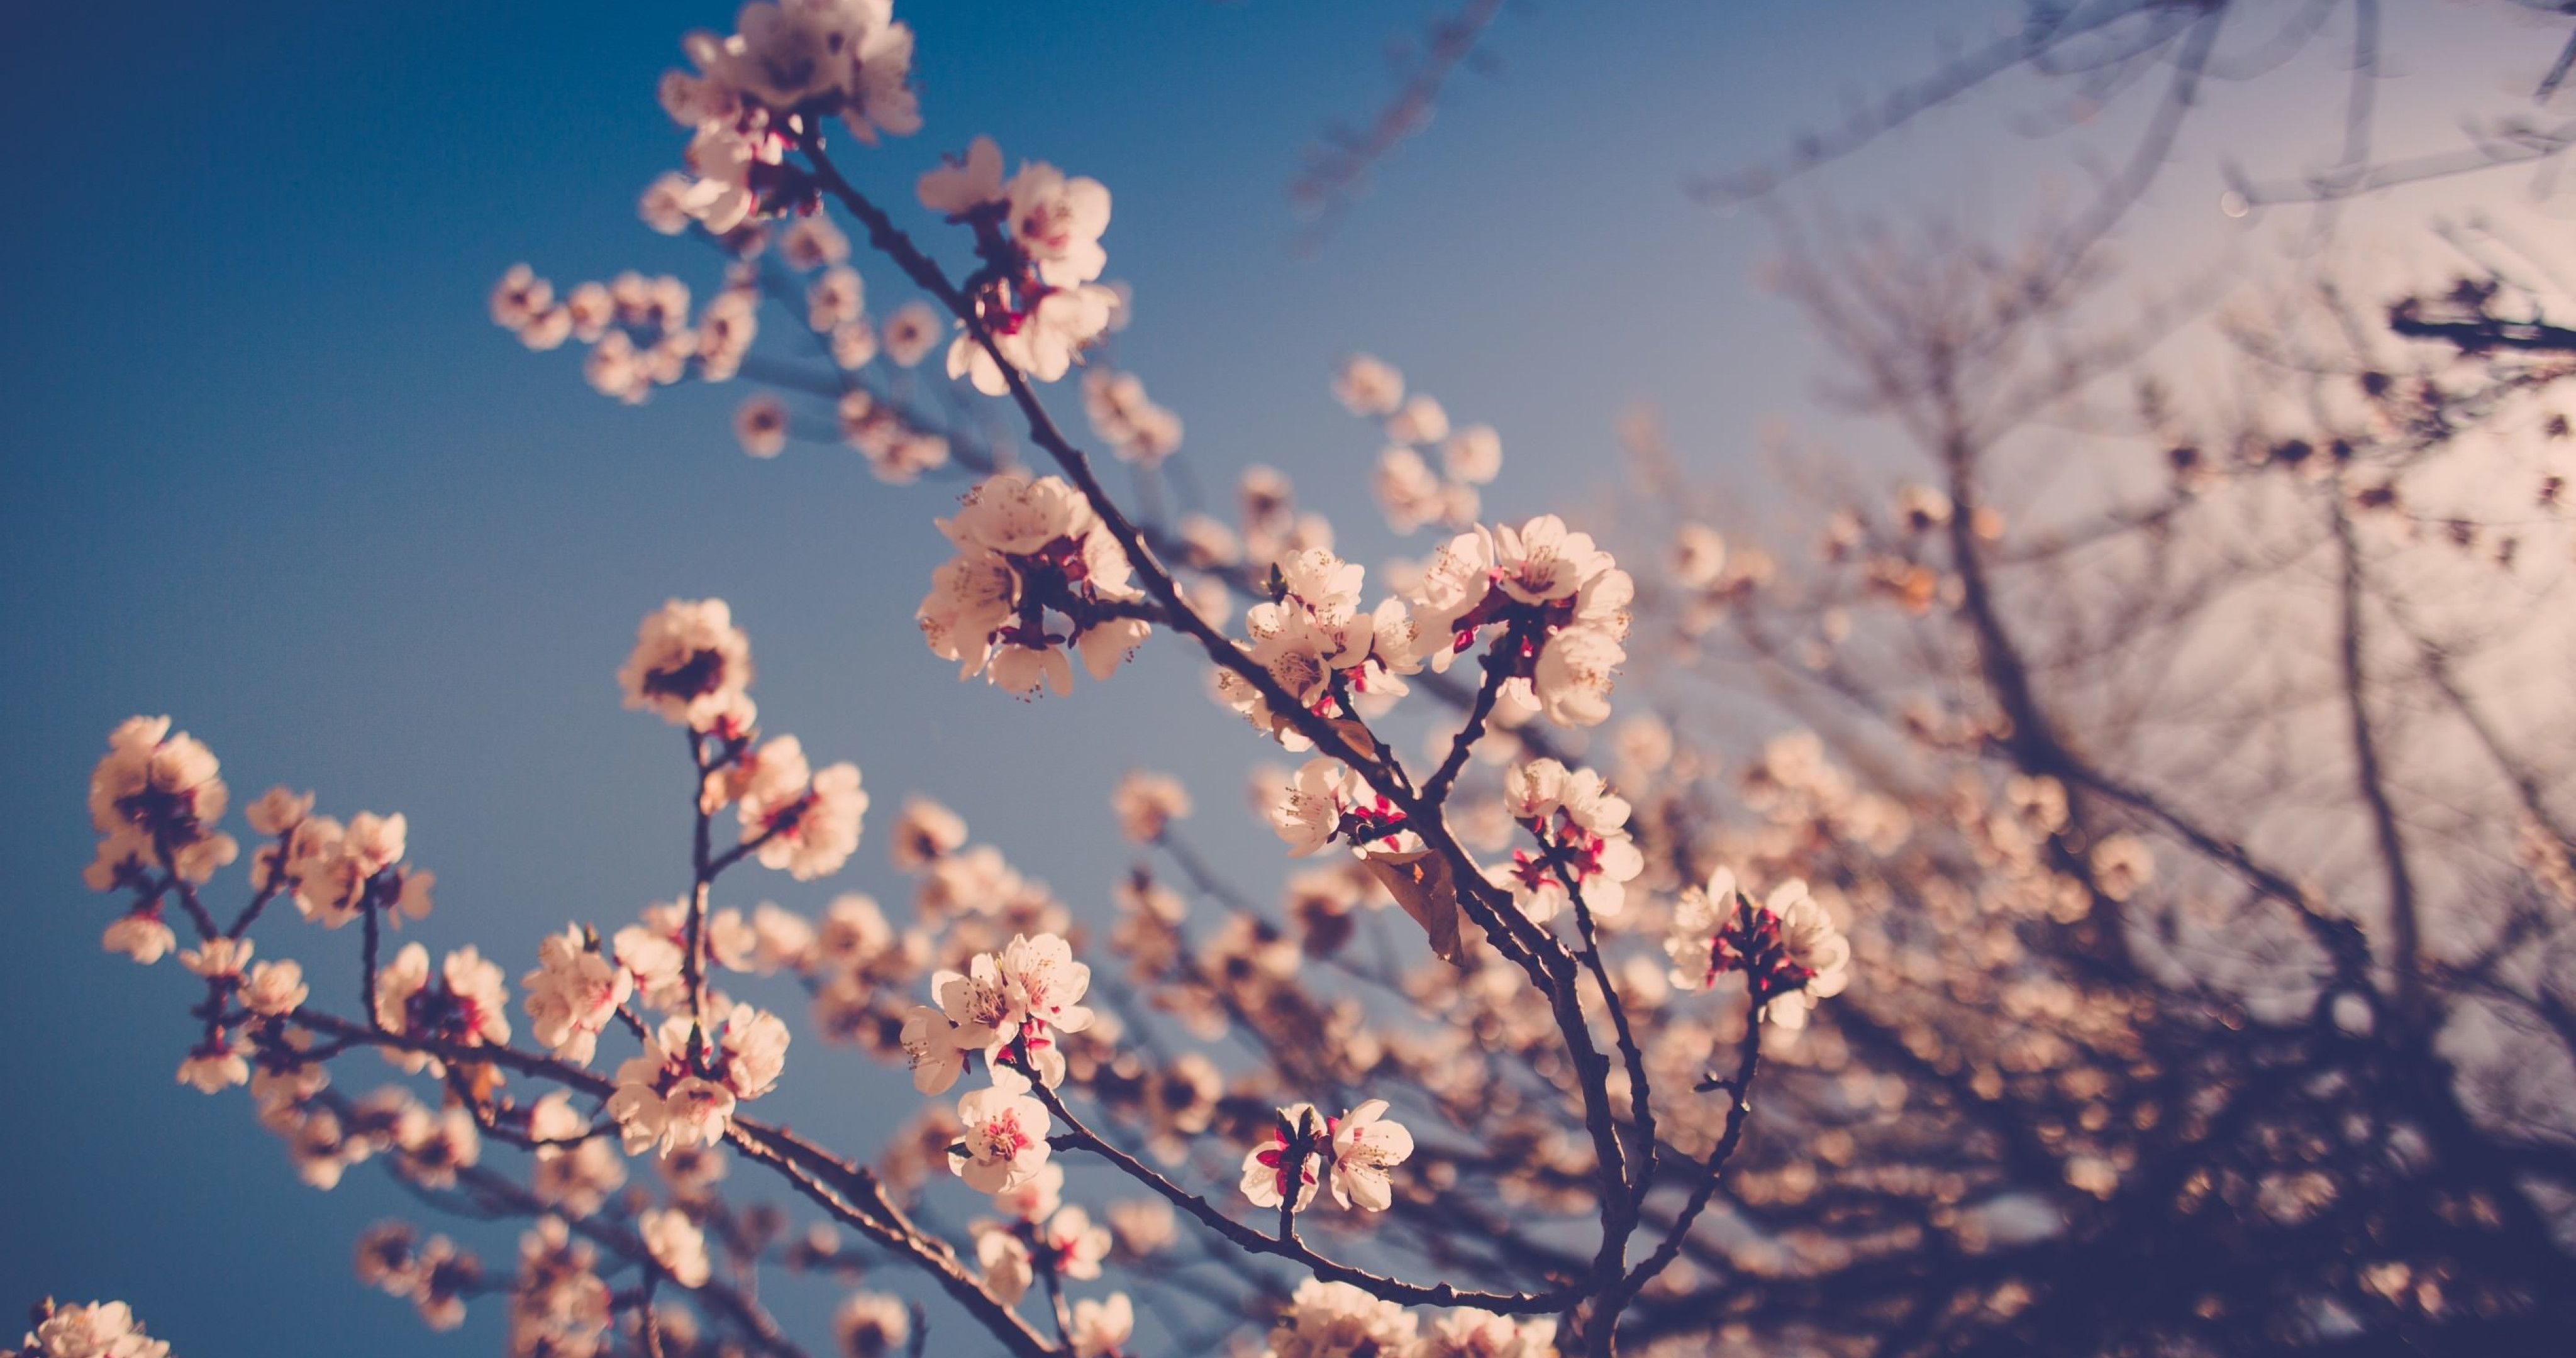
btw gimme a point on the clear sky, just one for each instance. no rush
(271, 470)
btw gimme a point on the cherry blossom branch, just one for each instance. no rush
(804, 1165)
(1739, 1090)
(1641, 1111)
(1436, 792)
(1547, 962)
(268, 890)
(781, 1153)
(1080, 1136)
(694, 962)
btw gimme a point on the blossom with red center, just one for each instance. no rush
(1787, 946)
(1005, 1141)
(1291, 1161)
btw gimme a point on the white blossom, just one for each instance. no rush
(1364, 1147)
(676, 1243)
(691, 666)
(1005, 1140)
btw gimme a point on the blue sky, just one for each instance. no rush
(272, 471)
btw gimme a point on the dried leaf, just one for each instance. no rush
(1355, 733)
(1422, 884)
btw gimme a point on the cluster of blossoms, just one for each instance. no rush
(1009, 1007)
(1037, 294)
(468, 1005)
(640, 330)
(1560, 602)
(99, 1329)
(1036, 571)
(338, 872)
(574, 994)
(1582, 832)
(1136, 429)
(1412, 491)
(692, 666)
(787, 67)
(1320, 647)
(682, 1088)
(1787, 945)
(1042, 1236)
(1338, 1320)
(155, 801)
(559, 1305)
(325, 1135)
(1326, 801)
(434, 1275)
(1355, 1149)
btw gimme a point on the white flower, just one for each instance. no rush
(219, 958)
(1365, 1146)
(1147, 803)
(807, 826)
(676, 1244)
(813, 243)
(277, 811)
(657, 1102)
(1308, 812)
(761, 425)
(1137, 430)
(155, 797)
(573, 995)
(1040, 341)
(1576, 671)
(467, 1007)
(820, 57)
(275, 988)
(1818, 956)
(1100, 1327)
(1698, 555)
(102, 1329)
(1057, 222)
(872, 1325)
(1337, 1320)
(1542, 561)
(972, 596)
(1534, 790)
(834, 300)
(981, 1001)
(1035, 1200)
(691, 665)
(1048, 982)
(911, 332)
(215, 1067)
(654, 959)
(1453, 590)
(753, 1050)
(1074, 1244)
(1700, 917)
(1465, 1332)
(932, 1047)
(1266, 1167)
(1005, 1140)
(1368, 386)
(1420, 420)
(141, 935)
(1004, 1258)
(925, 832)
(1408, 491)
(1473, 454)
(962, 184)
